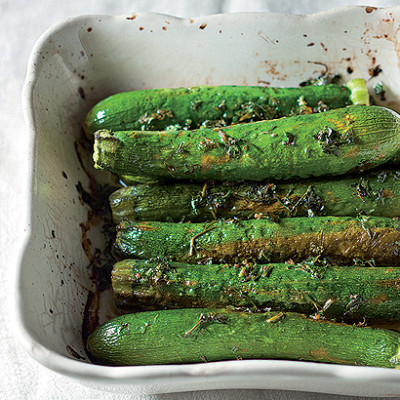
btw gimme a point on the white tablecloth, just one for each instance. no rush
(21, 23)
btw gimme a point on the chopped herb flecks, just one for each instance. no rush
(290, 139)
(314, 266)
(252, 112)
(324, 79)
(363, 190)
(331, 140)
(380, 91)
(147, 120)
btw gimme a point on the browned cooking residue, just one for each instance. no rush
(389, 283)
(91, 320)
(81, 92)
(369, 9)
(147, 227)
(355, 242)
(74, 353)
(272, 69)
(323, 46)
(91, 317)
(322, 354)
(382, 298)
(86, 243)
(374, 71)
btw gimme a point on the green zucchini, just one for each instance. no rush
(376, 193)
(348, 293)
(354, 138)
(160, 109)
(339, 239)
(206, 334)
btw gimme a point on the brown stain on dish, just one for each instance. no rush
(81, 93)
(323, 46)
(90, 319)
(100, 261)
(203, 26)
(132, 17)
(369, 9)
(86, 243)
(272, 70)
(374, 71)
(74, 353)
(392, 30)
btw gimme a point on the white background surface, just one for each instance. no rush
(21, 24)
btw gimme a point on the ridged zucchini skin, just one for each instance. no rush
(375, 193)
(339, 239)
(353, 292)
(207, 334)
(354, 138)
(157, 109)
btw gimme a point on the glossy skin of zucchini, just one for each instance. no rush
(347, 293)
(158, 109)
(339, 239)
(335, 142)
(375, 193)
(201, 335)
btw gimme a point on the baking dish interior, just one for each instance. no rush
(83, 60)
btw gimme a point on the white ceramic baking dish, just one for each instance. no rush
(85, 59)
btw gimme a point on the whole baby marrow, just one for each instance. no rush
(206, 334)
(348, 293)
(375, 193)
(339, 239)
(189, 108)
(335, 142)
